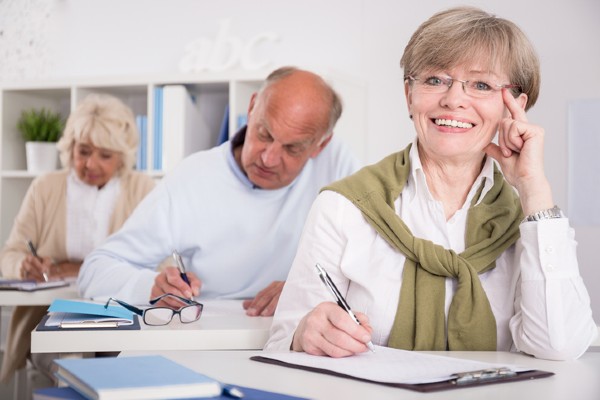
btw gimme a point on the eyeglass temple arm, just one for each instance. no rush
(127, 306)
(182, 299)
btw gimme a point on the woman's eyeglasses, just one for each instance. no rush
(156, 316)
(478, 88)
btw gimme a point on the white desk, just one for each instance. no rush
(224, 325)
(38, 298)
(579, 379)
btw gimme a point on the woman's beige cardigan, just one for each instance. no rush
(42, 218)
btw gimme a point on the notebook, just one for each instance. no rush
(139, 377)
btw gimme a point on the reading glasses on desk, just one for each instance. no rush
(157, 316)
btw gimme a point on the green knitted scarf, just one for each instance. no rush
(492, 226)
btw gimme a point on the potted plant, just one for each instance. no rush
(41, 129)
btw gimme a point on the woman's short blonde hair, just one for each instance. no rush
(465, 36)
(104, 121)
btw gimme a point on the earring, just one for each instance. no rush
(410, 116)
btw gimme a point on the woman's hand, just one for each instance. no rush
(329, 330)
(35, 267)
(520, 153)
(169, 281)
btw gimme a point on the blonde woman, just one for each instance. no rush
(67, 213)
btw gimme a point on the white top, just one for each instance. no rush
(536, 293)
(89, 211)
(235, 237)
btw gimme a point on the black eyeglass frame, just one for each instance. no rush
(142, 312)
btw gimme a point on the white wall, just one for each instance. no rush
(360, 38)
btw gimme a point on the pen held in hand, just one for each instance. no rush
(339, 298)
(181, 268)
(34, 253)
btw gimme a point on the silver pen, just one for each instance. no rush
(181, 268)
(34, 253)
(339, 298)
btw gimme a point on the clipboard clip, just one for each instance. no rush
(489, 374)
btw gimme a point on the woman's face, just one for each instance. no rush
(94, 165)
(455, 124)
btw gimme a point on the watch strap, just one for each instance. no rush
(550, 213)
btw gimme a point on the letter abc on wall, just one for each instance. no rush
(225, 52)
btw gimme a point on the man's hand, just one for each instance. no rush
(329, 330)
(169, 281)
(265, 302)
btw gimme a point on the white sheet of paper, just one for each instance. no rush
(58, 318)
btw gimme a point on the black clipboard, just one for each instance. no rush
(31, 286)
(420, 387)
(133, 327)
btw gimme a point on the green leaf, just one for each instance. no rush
(40, 125)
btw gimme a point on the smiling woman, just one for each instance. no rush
(431, 242)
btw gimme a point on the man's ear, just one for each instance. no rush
(252, 102)
(321, 146)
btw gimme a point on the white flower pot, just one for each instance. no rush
(41, 156)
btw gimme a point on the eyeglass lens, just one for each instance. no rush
(162, 315)
(158, 316)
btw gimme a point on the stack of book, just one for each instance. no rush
(141, 377)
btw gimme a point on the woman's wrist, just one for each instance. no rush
(535, 196)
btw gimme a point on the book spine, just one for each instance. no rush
(139, 121)
(158, 125)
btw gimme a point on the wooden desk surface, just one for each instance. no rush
(223, 326)
(578, 379)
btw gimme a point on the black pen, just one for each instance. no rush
(339, 298)
(34, 253)
(182, 272)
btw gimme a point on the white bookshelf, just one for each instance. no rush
(212, 93)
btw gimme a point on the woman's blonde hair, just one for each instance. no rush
(104, 121)
(467, 35)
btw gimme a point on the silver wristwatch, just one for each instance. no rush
(550, 213)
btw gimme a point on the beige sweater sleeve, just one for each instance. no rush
(41, 218)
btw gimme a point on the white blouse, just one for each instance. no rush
(537, 296)
(89, 210)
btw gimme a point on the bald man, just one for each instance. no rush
(235, 212)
